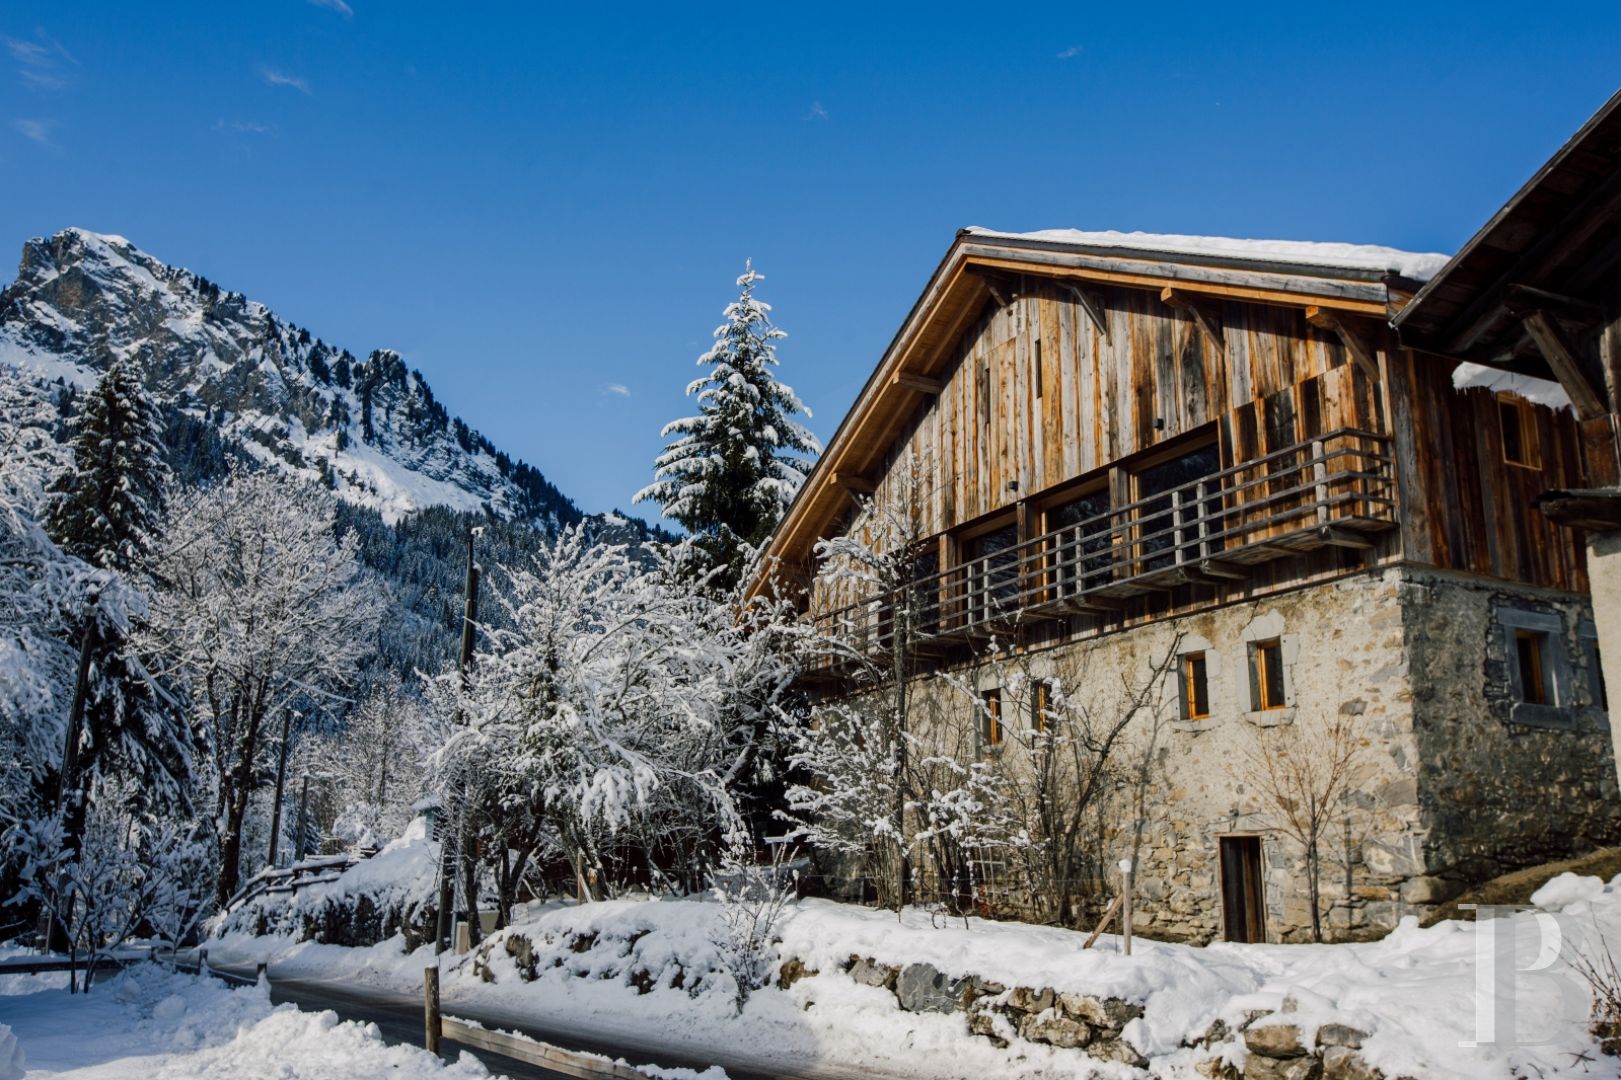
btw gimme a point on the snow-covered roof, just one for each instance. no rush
(1419, 266)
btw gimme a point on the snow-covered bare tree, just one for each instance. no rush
(730, 471)
(260, 604)
(622, 705)
(372, 767)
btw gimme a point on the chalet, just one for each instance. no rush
(1257, 474)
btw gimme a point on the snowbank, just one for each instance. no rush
(390, 893)
(155, 1024)
(1419, 266)
(853, 991)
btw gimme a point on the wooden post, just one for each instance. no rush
(432, 1027)
(1319, 472)
(1125, 906)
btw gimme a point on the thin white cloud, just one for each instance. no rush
(818, 111)
(42, 62)
(243, 127)
(335, 5)
(615, 389)
(1070, 53)
(35, 130)
(281, 78)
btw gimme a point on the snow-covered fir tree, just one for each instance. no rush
(106, 508)
(732, 470)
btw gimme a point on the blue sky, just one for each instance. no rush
(544, 210)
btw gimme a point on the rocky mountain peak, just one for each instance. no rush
(369, 429)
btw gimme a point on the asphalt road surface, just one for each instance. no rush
(399, 1019)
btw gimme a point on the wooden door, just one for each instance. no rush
(1243, 903)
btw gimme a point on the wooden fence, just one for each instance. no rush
(519, 1047)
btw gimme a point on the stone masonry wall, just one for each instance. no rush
(1459, 783)
(1502, 785)
(1343, 654)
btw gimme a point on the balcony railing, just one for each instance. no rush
(1329, 491)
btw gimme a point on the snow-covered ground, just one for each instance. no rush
(1414, 993)
(157, 1025)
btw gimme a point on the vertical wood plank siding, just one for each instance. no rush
(990, 440)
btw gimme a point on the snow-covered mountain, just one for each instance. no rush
(370, 429)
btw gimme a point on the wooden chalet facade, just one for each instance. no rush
(1106, 442)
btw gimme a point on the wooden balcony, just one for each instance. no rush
(1336, 490)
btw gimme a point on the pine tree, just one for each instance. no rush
(106, 508)
(732, 470)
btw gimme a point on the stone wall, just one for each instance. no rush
(1457, 782)
(1343, 654)
(1501, 785)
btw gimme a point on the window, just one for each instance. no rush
(990, 719)
(1176, 511)
(1080, 543)
(1038, 369)
(1518, 425)
(993, 572)
(1530, 651)
(1538, 666)
(1266, 675)
(1041, 703)
(1195, 687)
(926, 592)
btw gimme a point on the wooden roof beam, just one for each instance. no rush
(922, 384)
(1091, 303)
(854, 483)
(1551, 343)
(1203, 312)
(1354, 343)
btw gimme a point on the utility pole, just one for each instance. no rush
(281, 784)
(447, 865)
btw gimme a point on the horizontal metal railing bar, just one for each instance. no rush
(1193, 523)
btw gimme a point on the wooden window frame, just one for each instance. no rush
(992, 735)
(1532, 644)
(1190, 687)
(1260, 675)
(1202, 437)
(1041, 691)
(1524, 413)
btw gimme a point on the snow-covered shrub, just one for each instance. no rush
(752, 898)
(393, 892)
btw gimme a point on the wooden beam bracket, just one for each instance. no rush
(1355, 344)
(1203, 313)
(1092, 303)
(854, 483)
(1557, 351)
(920, 383)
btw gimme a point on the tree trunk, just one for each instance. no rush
(236, 811)
(470, 886)
(281, 788)
(1311, 888)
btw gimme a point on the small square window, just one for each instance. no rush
(1530, 654)
(1266, 675)
(990, 719)
(1195, 687)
